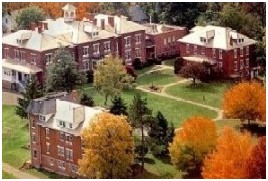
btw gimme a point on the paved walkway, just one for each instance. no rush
(10, 98)
(16, 172)
(164, 94)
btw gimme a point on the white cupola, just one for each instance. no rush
(69, 13)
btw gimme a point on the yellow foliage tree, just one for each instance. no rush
(245, 101)
(228, 160)
(197, 137)
(108, 147)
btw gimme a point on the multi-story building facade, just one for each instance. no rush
(55, 125)
(227, 50)
(161, 40)
(89, 41)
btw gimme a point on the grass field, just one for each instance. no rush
(209, 94)
(6, 175)
(169, 62)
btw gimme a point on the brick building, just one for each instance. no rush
(89, 41)
(161, 40)
(55, 126)
(225, 49)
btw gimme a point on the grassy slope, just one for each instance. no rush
(6, 175)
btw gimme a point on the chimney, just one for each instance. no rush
(39, 29)
(33, 26)
(111, 21)
(74, 95)
(102, 24)
(95, 22)
(45, 26)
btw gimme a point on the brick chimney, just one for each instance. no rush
(111, 20)
(39, 29)
(45, 26)
(33, 26)
(74, 95)
(102, 24)
(95, 22)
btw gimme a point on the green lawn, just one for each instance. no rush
(169, 62)
(209, 94)
(175, 112)
(6, 175)
(158, 78)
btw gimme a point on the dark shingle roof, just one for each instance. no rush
(136, 13)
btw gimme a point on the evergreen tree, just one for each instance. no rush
(118, 106)
(33, 90)
(140, 116)
(86, 100)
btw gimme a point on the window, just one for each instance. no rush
(107, 46)
(169, 39)
(202, 39)
(42, 118)
(61, 136)
(128, 54)
(116, 46)
(74, 169)
(33, 137)
(138, 52)
(195, 49)
(60, 151)
(202, 50)
(61, 165)
(235, 53)
(220, 65)
(86, 65)
(17, 56)
(165, 41)
(48, 147)
(173, 38)
(22, 55)
(247, 50)
(241, 63)
(220, 54)
(127, 41)
(247, 62)
(138, 38)
(47, 133)
(6, 55)
(187, 48)
(33, 124)
(85, 50)
(6, 21)
(62, 124)
(35, 154)
(241, 52)
(96, 48)
(51, 162)
(33, 59)
(214, 53)
(69, 154)
(235, 65)
(48, 58)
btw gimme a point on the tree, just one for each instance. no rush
(29, 15)
(228, 160)
(114, 8)
(193, 70)
(12, 6)
(160, 134)
(111, 78)
(137, 64)
(63, 74)
(139, 117)
(109, 147)
(245, 101)
(178, 64)
(33, 90)
(86, 100)
(256, 164)
(192, 143)
(118, 106)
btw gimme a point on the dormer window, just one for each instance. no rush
(62, 124)
(70, 126)
(19, 41)
(202, 39)
(42, 118)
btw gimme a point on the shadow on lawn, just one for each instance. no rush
(254, 129)
(136, 173)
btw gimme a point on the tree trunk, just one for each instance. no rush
(106, 99)
(194, 81)
(142, 143)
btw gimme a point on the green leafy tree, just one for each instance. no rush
(33, 90)
(140, 116)
(63, 73)
(111, 78)
(28, 15)
(160, 134)
(118, 106)
(86, 100)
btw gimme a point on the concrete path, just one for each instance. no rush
(164, 94)
(16, 172)
(10, 98)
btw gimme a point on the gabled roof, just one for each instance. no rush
(220, 40)
(69, 7)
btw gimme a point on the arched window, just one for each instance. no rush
(72, 14)
(66, 14)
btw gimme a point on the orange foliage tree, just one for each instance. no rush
(12, 6)
(245, 101)
(229, 159)
(197, 138)
(54, 9)
(256, 164)
(109, 147)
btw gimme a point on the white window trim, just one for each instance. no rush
(247, 62)
(220, 64)
(48, 62)
(173, 38)
(126, 38)
(85, 50)
(187, 48)
(247, 50)
(109, 46)
(85, 68)
(48, 145)
(33, 127)
(51, 162)
(203, 50)
(136, 52)
(214, 53)
(195, 49)
(235, 53)
(128, 54)
(137, 35)
(235, 65)
(116, 46)
(169, 39)
(17, 55)
(98, 45)
(47, 133)
(242, 63)
(22, 57)
(33, 55)
(33, 135)
(241, 52)
(6, 52)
